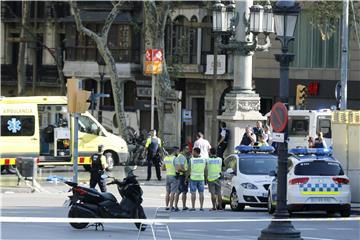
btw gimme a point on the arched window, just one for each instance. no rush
(181, 40)
(193, 41)
(207, 40)
(129, 95)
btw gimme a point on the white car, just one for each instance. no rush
(316, 181)
(246, 178)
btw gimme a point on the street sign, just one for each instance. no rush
(157, 55)
(148, 55)
(279, 117)
(278, 137)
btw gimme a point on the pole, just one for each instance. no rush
(75, 152)
(214, 83)
(285, 229)
(152, 100)
(101, 101)
(344, 55)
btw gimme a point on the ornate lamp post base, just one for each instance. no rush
(241, 110)
(280, 230)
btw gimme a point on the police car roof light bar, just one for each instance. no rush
(308, 151)
(247, 149)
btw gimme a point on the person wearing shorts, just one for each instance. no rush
(213, 173)
(172, 183)
(197, 178)
(182, 162)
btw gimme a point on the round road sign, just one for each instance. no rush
(279, 117)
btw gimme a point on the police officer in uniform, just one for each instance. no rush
(197, 178)
(224, 135)
(153, 146)
(213, 170)
(98, 166)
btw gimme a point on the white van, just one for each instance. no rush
(40, 127)
(304, 123)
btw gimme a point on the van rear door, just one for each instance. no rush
(19, 130)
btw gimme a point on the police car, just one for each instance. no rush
(316, 181)
(246, 177)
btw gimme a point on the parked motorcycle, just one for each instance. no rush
(89, 203)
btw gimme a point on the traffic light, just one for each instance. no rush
(78, 100)
(301, 94)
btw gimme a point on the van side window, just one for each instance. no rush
(86, 125)
(298, 126)
(324, 126)
(17, 126)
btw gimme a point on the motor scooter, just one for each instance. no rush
(89, 203)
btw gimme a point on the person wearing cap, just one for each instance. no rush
(172, 181)
(98, 166)
(153, 146)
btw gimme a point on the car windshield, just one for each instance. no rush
(319, 168)
(258, 166)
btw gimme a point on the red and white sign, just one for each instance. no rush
(157, 55)
(148, 55)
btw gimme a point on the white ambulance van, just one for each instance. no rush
(40, 127)
(305, 123)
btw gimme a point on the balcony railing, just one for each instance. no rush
(92, 54)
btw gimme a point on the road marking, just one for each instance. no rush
(315, 238)
(342, 229)
(150, 221)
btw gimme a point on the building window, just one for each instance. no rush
(129, 95)
(108, 102)
(181, 41)
(80, 47)
(207, 40)
(310, 50)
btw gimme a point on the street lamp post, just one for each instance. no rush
(285, 17)
(101, 68)
(245, 24)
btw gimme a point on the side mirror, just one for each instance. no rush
(272, 173)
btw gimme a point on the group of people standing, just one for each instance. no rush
(257, 136)
(187, 170)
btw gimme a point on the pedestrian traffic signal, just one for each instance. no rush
(301, 94)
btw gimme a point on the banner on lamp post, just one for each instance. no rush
(153, 63)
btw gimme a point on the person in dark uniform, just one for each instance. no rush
(98, 166)
(224, 135)
(153, 147)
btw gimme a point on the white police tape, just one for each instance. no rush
(152, 221)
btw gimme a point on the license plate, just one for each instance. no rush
(67, 203)
(265, 194)
(321, 200)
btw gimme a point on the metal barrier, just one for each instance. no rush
(160, 214)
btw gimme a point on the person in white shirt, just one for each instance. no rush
(203, 144)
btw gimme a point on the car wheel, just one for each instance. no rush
(345, 213)
(270, 206)
(223, 205)
(234, 202)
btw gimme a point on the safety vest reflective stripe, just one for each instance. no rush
(214, 168)
(197, 168)
(169, 164)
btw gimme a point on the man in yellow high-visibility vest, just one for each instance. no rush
(172, 181)
(213, 172)
(182, 161)
(197, 178)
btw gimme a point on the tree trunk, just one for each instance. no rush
(21, 67)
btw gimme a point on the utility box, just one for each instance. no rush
(26, 166)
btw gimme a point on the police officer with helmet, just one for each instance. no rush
(98, 166)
